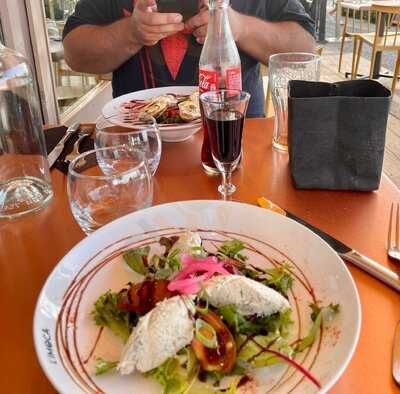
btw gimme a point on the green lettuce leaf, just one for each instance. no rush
(135, 259)
(173, 260)
(198, 387)
(278, 323)
(198, 251)
(255, 353)
(280, 279)
(328, 312)
(103, 366)
(178, 373)
(231, 249)
(232, 388)
(318, 315)
(163, 273)
(268, 332)
(163, 267)
(106, 314)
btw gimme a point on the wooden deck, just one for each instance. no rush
(329, 73)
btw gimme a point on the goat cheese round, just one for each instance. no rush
(159, 335)
(248, 296)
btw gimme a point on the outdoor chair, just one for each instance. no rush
(385, 38)
(357, 21)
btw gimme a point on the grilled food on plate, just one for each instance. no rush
(166, 109)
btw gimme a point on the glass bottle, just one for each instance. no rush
(25, 184)
(219, 66)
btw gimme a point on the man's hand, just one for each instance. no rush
(198, 24)
(150, 26)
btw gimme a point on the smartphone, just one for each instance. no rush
(187, 8)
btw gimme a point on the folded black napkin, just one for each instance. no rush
(53, 136)
(336, 134)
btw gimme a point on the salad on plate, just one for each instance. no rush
(167, 109)
(203, 321)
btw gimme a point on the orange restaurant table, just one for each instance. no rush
(30, 248)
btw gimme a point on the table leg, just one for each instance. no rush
(378, 58)
(322, 20)
(338, 17)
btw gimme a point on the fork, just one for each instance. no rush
(393, 246)
(75, 152)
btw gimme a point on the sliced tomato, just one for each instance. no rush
(142, 297)
(221, 359)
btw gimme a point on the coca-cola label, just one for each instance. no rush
(208, 80)
(233, 79)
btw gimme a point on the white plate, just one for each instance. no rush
(173, 133)
(63, 325)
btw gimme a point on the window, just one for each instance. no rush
(34, 28)
(70, 86)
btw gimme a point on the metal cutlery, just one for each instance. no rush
(347, 253)
(56, 152)
(396, 355)
(393, 250)
(393, 246)
(75, 152)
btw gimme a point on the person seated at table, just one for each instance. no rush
(144, 48)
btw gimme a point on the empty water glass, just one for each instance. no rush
(284, 67)
(107, 183)
(145, 137)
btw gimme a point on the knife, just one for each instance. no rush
(56, 152)
(345, 252)
(396, 355)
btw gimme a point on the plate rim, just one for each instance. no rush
(358, 322)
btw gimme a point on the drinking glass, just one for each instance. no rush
(145, 138)
(25, 183)
(225, 111)
(284, 67)
(107, 183)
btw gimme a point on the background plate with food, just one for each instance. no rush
(176, 109)
(86, 313)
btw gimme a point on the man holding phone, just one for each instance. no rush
(145, 47)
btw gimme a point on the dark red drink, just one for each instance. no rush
(225, 130)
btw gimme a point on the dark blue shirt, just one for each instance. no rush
(130, 77)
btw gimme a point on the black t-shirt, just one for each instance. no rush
(133, 74)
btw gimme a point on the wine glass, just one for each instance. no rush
(105, 184)
(145, 137)
(225, 111)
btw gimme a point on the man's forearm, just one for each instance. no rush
(260, 39)
(100, 49)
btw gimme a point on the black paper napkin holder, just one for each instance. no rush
(336, 134)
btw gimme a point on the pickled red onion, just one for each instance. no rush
(186, 281)
(189, 285)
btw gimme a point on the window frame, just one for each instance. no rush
(25, 30)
